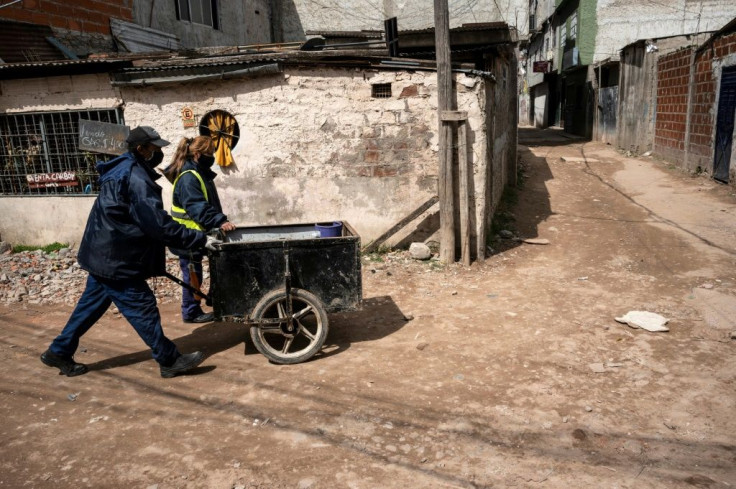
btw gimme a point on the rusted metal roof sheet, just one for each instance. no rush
(21, 42)
(137, 39)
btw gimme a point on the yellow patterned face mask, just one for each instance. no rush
(222, 129)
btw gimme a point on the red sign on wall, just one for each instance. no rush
(541, 67)
(59, 179)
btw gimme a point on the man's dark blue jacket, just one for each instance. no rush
(128, 228)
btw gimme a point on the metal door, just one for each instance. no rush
(607, 105)
(725, 124)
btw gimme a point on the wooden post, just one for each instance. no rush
(464, 175)
(445, 101)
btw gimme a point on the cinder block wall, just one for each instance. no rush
(673, 81)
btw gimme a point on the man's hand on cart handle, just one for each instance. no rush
(212, 243)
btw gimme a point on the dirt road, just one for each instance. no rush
(512, 373)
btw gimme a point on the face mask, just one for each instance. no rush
(156, 158)
(206, 161)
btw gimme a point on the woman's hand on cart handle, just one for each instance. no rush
(227, 226)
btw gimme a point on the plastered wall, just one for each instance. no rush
(315, 145)
(300, 16)
(621, 22)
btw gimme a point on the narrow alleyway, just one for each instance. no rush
(509, 373)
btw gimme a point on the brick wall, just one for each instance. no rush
(673, 72)
(703, 110)
(88, 16)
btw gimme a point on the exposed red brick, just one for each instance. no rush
(385, 171)
(410, 91)
(371, 156)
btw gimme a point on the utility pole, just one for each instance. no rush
(445, 102)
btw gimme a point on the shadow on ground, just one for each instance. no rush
(551, 136)
(378, 317)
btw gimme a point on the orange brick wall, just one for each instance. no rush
(88, 16)
(672, 86)
(703, 110)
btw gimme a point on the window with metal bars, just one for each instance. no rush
(40, 155)
(381, 90)
(198, 12)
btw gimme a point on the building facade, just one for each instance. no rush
(577, 44)
(320, 136)
(696, 106)
(104, 26)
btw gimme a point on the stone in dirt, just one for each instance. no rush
(649, 321)
(597, 367)
(420, 251)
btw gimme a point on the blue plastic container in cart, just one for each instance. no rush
(329, 229)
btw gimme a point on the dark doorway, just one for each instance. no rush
(725, 124)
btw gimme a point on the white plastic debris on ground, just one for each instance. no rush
(645, 320)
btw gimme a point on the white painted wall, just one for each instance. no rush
(43, 220)
(345, 15)
(305, 138)
(58, 93)
(621, 22)
(314, 146)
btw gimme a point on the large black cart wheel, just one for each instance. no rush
(283, 341)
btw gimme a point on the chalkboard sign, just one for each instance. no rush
(103, 137)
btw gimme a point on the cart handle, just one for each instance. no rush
(194, 290)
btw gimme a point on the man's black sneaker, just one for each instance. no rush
(206, 317)
(66, 365)
(183, 364)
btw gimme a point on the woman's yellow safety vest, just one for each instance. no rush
(179, 213)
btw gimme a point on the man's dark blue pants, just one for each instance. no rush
(136, 303)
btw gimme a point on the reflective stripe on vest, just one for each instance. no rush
(179, 213)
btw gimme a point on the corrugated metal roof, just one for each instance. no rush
(137, 39)
(63, 63)
(189, 63)
(59, 68)
(21, 42)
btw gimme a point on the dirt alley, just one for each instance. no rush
(512, 373)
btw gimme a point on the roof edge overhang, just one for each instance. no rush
(166, 76)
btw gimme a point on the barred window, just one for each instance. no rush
(40, 155)
(381, 90)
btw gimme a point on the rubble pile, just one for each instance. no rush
(36, 277)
